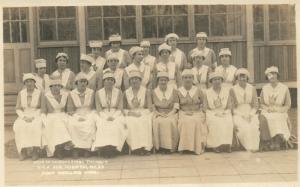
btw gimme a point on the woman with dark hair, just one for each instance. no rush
(111, 129)
(245, 106)
(80, 107)
(148, 59)
(191, 119)
(164, 64)
(177, 56)
(115, 42)
(63, 73)
(138, 115)
(28, 125)
(218, 105)
(275, 102)
(165, 116)
(209, 54)
(42, 79)
(137, 64)
(200, 70)
(92, 76)
(226, 69)
(56, 120)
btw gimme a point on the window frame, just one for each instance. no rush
(267, 40)
(10, 21)
(57, 43)
(106, 42)
(228, 38)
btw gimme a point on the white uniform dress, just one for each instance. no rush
(200, 76)
(228, 74)
(42, 83)
(140, 128)
(28, 134)
(56, 121)
(245, 101)
(279, 99)
(220, 128)
(114, 132)
(82, 132)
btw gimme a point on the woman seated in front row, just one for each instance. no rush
(218, 115)
(80, 107)
(28, 126)
(275, 103)
(55, 119)
(138, 116)
(111, 129)
(245, 105)
(191, 120)
(165, 116)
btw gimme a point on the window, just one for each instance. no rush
(15, 25)
(258, 22)
(158, 21)
(218, 20)
(107, 20)
(57, 23)
(281, 22)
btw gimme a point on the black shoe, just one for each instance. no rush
(23, 154)
(75, 153)
(35, 154)
(86, 154)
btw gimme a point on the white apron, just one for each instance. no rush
(140, 128)
(28, 134)
(220, 129)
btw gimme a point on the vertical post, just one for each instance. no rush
(250, 41)
(81, 29)
(32, 36)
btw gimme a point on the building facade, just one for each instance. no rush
(258, 35)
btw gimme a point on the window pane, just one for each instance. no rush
(128, 10)
(111, 11)
(283, 11)
(6, 32)
(95, 29)
(258, 13)
(47, 12)
(292, 13)
(201, 24)
(218, 25)
(128, 28)
(15, 32)
(47, 30)
(66, 12)
(94, 11)
(14, 12)
(164, 10)
(201, 9)
(218, 9)
(234, 8)
(24, 13)
(148, 10)
(149, 27)
(164, 26)
(66, 30)
(274, 31)
(5, 13)
(180, 9)
(111, 26)
(24, 29)
(258, 32)
(273, 13)
(181, 26)
(234, 25)
(284, 31)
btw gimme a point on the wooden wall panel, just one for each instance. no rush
(9, 66)
(50, 53)
(24, 62)
(282, 56)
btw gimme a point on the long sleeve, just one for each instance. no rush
(127, 59)
(44, 105)
(71, 82)
(70, 104)
(183, 62)
(126, 80)
(149, 100)
(254, 102)
(178, 77)
(97, 103)
(205, 102)
(229, 105)
(214, 59)
(287, 102)
(262, 101)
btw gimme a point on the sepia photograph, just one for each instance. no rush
(149, 93)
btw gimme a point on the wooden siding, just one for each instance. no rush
(282, 56)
